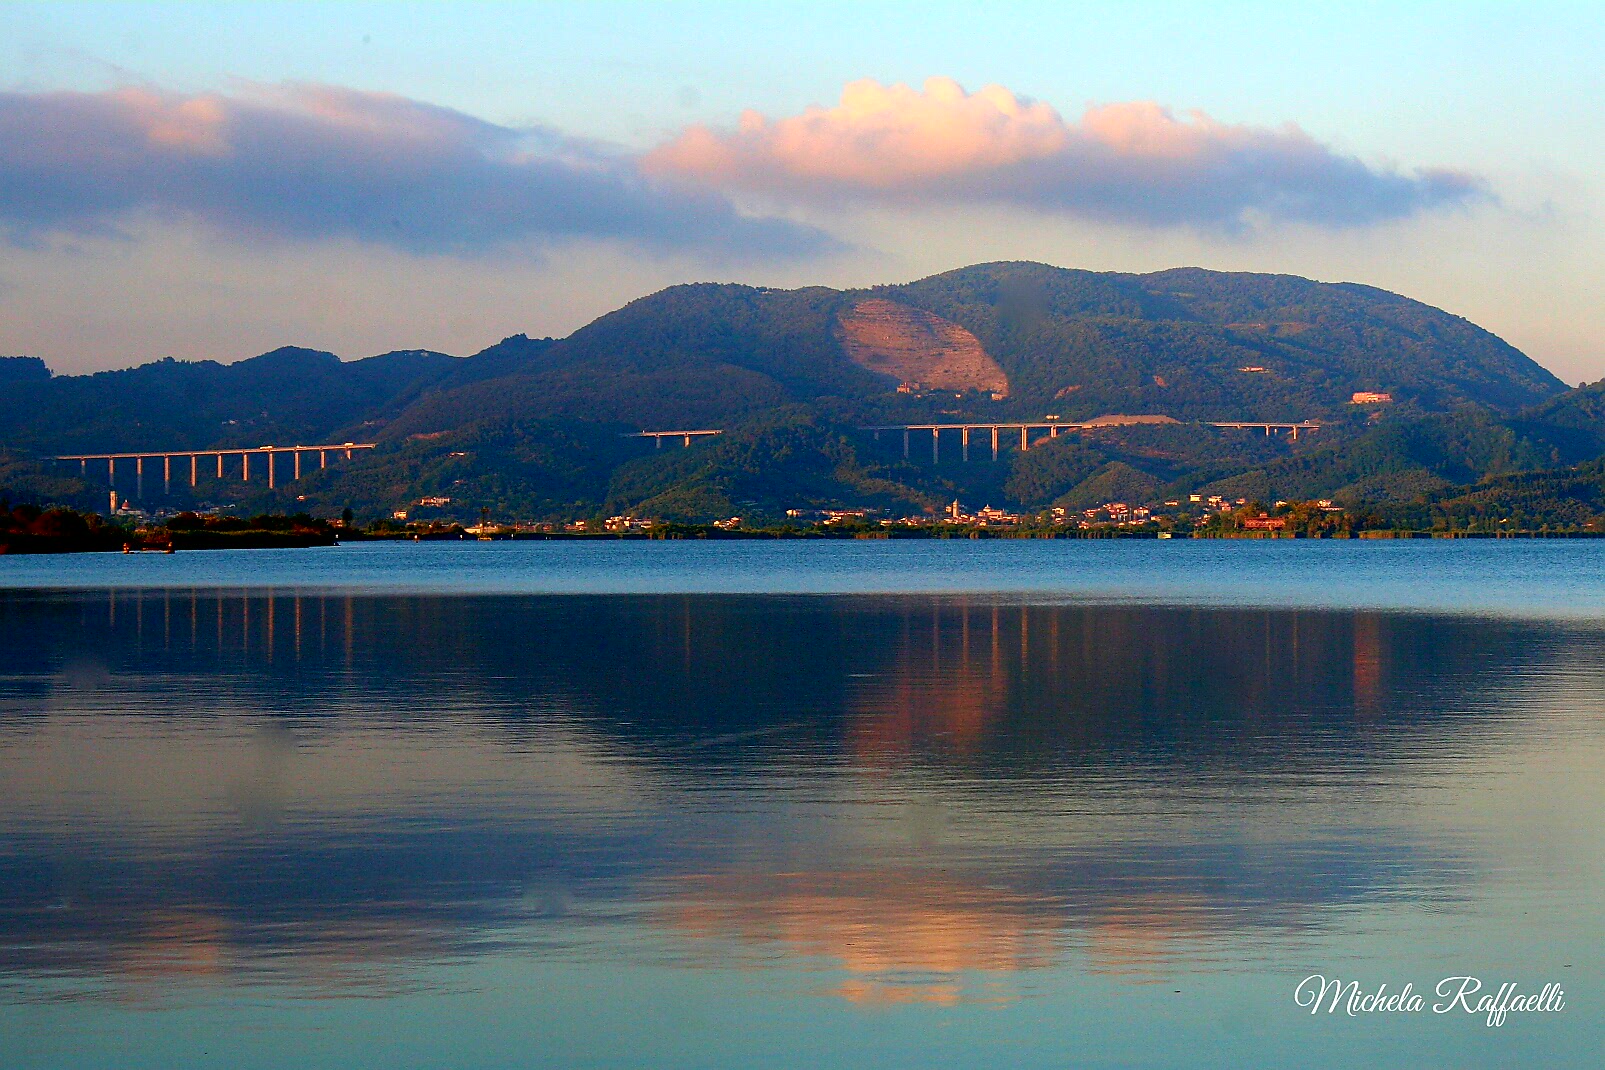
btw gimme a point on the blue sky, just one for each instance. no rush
(1505, 96)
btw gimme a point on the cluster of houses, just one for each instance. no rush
(1108, 514)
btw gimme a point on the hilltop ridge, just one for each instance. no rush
(536, 425)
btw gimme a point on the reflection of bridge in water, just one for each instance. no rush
(1026, 429)
(266, 453)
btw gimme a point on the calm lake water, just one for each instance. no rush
(985, 804)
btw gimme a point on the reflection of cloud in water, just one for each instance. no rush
(900, 936)
(338, 903)
(1131, 907)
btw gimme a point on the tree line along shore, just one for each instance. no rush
(28, 529)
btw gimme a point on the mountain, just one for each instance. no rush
(537, 427)
(1223, 345)
(288, 395)
(1011, 340)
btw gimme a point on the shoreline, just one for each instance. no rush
(44, 545)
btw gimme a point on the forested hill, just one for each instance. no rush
(288, 395)
(1014, 339)
(535, 427)
(994, 341)
(1177, 342)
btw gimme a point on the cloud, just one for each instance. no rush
(307, 162)
(1131, 163)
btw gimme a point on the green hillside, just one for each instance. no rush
(288, 395)
(1077, 343)
(539, 428)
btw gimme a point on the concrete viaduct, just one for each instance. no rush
(1026, 429)
(265, 453)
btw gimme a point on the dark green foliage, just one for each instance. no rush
(1109, 335)
(526, 469)
(507, 357)
(688, 397)
(24, 480)
(787, 459)
(1572, 425)
(1114, 482)
(1396, 460)
(29, 529)
(287, 396)
(1042, 474)
(23, 370)
(1563, 498)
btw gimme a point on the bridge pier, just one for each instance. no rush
(167, 475)
(297, 455)
(964, 438)
(994, 442)
(1025, 438)
(245, 467)
(269, 459)
(194, 469)
(139, 478)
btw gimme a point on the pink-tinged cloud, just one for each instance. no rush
(1134, 162)
(312, 162)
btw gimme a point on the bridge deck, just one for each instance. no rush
(227, 450)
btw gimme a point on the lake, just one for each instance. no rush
(836, 804)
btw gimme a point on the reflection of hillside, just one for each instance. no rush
(131, 956)
(1037, 685)
(996, 683)
(934, 796)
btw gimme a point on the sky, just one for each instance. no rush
(216, 180)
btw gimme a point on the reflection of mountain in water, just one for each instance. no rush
(915, 792)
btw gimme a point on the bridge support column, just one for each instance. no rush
(964, 438)
(245, 467)
(687, 442)
(1025, 440)
(194, 469)
(167, 475)
(994, 442)
(348, 455)
(297, 455)
(905, 443)
(323, 459)
(1053, 432)
(83, 467)
(139, 477)
(269, 467)
(220, 466)
(936, 434)
(111, 472)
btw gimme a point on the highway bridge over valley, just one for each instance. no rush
(267, 460)
(1041, 429)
